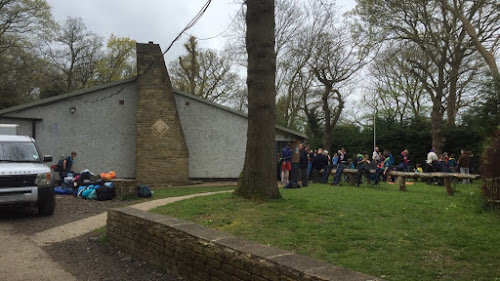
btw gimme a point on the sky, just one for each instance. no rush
(159, 21)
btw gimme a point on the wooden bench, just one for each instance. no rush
(401, 176)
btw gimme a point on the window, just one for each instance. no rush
(18, 152)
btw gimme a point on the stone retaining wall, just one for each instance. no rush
(199, 253)
(124, 187)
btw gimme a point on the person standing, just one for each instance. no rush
(310, 158)
(317, 165)
(326, 167)
(303, 163)
(67, 164)
(286, 166)
(405, 161)
(464, 164)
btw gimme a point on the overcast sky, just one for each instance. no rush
(155, 20)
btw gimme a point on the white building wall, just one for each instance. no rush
(216, 139)
(102, 131)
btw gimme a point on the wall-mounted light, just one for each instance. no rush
(72, 109)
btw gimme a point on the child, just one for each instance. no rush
(335, 160)
(419, 169)
(452, 163)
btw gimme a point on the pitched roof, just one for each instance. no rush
(57, 98)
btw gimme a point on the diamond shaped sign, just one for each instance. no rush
(160, 127)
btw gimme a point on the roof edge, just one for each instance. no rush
(53, 99)
(242, 114)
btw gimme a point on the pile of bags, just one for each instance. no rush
(96, 191)
(88, 186)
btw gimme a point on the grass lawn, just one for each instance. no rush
(422, 234)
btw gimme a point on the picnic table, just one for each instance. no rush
(401, 177)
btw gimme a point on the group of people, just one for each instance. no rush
(316, 165)
(449, 164)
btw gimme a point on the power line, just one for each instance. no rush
(188, 26)
(220, 33)
(192, 23)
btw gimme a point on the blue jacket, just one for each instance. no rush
(287, 153)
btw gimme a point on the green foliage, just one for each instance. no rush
(22, 24)
(352, 138)
(119, 61)
(485, 116)
(419, 235)
(412, 134)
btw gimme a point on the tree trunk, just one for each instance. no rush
(327, 132)
(436, 125)
(488, 56)
(451, 105)
(258, 179)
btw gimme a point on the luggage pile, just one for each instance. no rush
(88, 186)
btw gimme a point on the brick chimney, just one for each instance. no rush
(162, 154)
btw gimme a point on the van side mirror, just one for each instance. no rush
(47, 158)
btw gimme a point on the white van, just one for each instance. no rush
(24, 178)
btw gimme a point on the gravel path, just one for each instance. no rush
(65, 247)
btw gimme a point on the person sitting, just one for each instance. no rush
(342, 162)
(382, 169)
(419, 169)
(440, 167)
(360, 161)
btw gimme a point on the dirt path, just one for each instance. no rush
(21, 259)
(67, 249)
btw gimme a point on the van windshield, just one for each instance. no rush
(18, 152)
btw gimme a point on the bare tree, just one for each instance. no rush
(398, 94)
(335, 60)
(481, 21)
(258, 181)
(77, 52)
(442, 59)
(205, 73)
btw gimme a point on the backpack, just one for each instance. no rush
(59, 166)
(104, 193)
(292, 184)
(143, 191)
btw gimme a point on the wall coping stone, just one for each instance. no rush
(299, 266)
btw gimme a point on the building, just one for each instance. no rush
(141, 128)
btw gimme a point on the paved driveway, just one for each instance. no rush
(64, 246)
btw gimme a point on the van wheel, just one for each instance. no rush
(47, 205)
